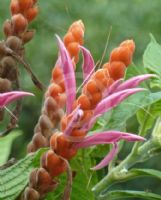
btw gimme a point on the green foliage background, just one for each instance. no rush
(128, 19)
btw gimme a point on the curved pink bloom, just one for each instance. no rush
(112, 88)
(114, 99)
(88, 63)
(69, 75)
(110, 102)
(134, 82)
(107, 137)
(107, 159)
(9, 97)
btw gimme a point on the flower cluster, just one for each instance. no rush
(102, 90)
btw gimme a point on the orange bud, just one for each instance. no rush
(117, 70)
(19, 23)
(54, 90)
(90, 87)
(84, 102)
(78, 35)
(122, 54)
(96, 98)
(73, 49)
(31, 194)
(53, 163)
(68, 38)
(78, 133)
(130, 44)
(31, 13)
(25, 4)
(27, 36)
(14, 7)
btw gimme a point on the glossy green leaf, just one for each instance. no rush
(145, 172)
(126, 194)
(6, 144)
(14, 179)
(152, 61)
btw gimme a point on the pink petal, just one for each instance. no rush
(110, 156)
(69, 75)
(114, 99)
(112, 88)
(107, 137)
(8, 97)
(88, 63)
(108, 103)
(77, 113)
(134, 82)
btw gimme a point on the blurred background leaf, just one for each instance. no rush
(6, 145)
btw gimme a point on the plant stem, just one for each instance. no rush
(120, 173)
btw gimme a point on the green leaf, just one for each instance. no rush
(146, 172)
(5, 145)
(116, 119)
(14, 179)
(122, 194)
(152, 61)
(148, 116)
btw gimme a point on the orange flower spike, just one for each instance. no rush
(123, 53)
(74, 38)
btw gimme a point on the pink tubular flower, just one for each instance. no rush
(9, 97)
(112, 97)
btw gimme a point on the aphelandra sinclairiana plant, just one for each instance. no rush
(102, 90)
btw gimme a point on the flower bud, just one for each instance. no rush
(8, 68)
(31, 14)
(27, 36)
(7, 28)
(5, 85)
(25, 4)
(39, 141)
(31, 194)
(14, 7)
(14, 43)
(2, 49)
(19, 24)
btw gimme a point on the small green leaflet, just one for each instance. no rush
(122, 194)
(5, 145)
(14, 179)
(152, 61)
(148, 117)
